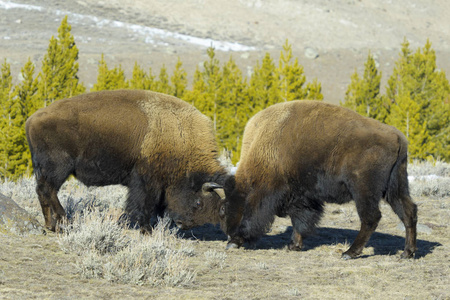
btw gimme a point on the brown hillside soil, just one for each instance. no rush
(341, 32)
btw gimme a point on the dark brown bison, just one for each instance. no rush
(159, 146)
(298, 155)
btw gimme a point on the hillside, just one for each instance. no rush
(330, 38)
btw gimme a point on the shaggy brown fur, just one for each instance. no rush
(298, 155)
(150, 142)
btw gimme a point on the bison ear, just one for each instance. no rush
(208, 187)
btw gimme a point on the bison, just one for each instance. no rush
(158, 146)
(298, 155)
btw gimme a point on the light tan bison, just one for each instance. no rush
(298, 155)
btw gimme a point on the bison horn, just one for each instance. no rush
(208, 187)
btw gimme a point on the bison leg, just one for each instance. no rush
(406, 210)
(48, 198)
(369, 215)
(142, 202)
(51, 172)
(305, 215)
(401, 203)
(297, 241)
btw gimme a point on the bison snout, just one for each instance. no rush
(179, 224)
(182, 225)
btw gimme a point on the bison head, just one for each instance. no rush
(193, 204)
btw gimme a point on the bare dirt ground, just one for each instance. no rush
(340, 32)
(35, 266)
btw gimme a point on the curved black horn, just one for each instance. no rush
(208, 187)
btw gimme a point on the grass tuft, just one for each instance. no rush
(215, 259)
(107, 251)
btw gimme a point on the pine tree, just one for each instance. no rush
(162, 84)
(14, 154)
(6, 95)
(139, 78)
(179, 80)
(205, 92)
(363, 94)
(291, 76)
(25, 96)
(405, 116)
(264, 85)
(59, 76)
(197, 96)
(415, 77)
(26, 90)
(314, 90)
(232, 109)
(109, 79)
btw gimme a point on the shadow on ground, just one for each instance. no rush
(382, 243)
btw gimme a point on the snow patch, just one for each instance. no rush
(149, 33)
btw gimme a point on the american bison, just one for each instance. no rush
(159, 146)
(298, 155)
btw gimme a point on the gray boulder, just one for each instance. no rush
(16, 220)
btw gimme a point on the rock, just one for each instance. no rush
(245, 55)
(311, 53)
(82, 3)
(16, 220)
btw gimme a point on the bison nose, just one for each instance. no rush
(179, 224)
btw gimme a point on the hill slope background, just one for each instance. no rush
(331, 39)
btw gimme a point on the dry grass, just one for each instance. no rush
(96, 258)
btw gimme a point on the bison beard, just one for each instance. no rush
(298, 155)
(150, 142)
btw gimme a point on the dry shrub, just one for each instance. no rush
(423, 168)
(215, 259)
(106, 251)
(433, 187)
(74, 196)
(98, 232)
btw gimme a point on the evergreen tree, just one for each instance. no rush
(363, 94)
(25, 95)
(232, 109)
(179, 80)
(415, 77)
(314, 90)
(264, 85)
(139, 80)
(291, 76)
(197, 96)
(58, 78)
(162, 85)
(6, 95)
(205, 91)
(405, 116)
(14, 154)
(109, 79)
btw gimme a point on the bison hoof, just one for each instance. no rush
(294, 247)
(232, 246)
(407, 254)
(348, 255)
(146, 230)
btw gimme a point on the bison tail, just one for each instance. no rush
(398, 180)
(397, 194)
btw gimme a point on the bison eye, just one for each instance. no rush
(222, 211)
(199, 204)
